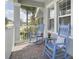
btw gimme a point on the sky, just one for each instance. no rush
(9, 10)
(23, 16)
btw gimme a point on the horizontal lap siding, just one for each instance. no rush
(8, 42)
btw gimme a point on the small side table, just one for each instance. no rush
(50, 39)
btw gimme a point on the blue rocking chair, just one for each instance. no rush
(58, 47)
(40, 31)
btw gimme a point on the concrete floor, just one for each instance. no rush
(28, 51)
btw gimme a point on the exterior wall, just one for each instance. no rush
(8, 42)
(70, 47)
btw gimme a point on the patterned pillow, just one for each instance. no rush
(60, 39)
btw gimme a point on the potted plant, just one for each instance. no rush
(49, 35)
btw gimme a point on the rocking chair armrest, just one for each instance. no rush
(59, 43)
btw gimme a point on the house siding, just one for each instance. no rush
(8, 42)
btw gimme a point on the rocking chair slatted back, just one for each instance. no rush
(40, 31)
(63, 30)
(41, 28)
(63, 33)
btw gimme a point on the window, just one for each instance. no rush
(65, 21)
(51, 15)
(64, 7)
(51, 19)
(51, 24)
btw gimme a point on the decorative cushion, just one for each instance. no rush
(54, 35)
(60, 39)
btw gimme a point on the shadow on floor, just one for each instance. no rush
(31, 51)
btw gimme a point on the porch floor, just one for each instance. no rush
(28, 51)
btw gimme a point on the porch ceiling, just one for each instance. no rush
(40, 0)
(33, 3)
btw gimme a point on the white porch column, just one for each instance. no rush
(55, 16)
(17, 21)
(71, 18)
(45, 15)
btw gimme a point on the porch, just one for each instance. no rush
(51, 13)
